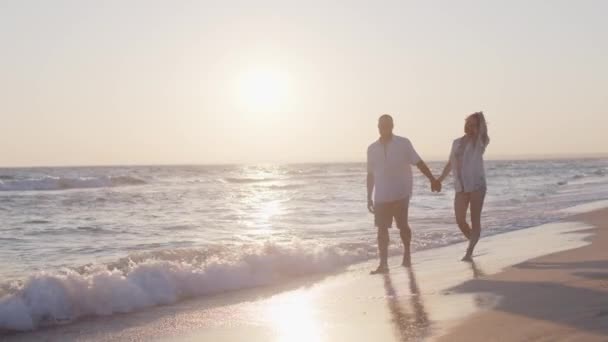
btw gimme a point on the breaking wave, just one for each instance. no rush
(163, 277)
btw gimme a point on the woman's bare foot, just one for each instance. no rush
(382, 269)
(407, 262)
(467, 258)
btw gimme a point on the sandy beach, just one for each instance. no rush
(544, 283)
(557, 297)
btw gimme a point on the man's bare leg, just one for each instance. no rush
(383, 241)
(405, 232)
(406, 238)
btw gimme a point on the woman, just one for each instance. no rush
(466, 160)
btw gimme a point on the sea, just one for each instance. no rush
(87, 241)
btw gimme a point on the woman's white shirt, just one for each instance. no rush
(467, 165)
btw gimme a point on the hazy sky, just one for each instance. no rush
(145, 82)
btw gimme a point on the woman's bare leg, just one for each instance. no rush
(476, 199)
(461, 205)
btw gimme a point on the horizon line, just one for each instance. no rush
(523, 157)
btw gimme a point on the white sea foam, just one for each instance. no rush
(50, 298)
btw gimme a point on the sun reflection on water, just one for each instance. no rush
(263, 202)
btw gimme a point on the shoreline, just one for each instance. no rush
(419, 303)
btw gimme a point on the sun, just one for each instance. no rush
(264, 90)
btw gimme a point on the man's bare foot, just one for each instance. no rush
(382, 269)
(467, 258)
(407, 262)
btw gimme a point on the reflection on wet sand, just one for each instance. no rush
(477, 271)
(412, 324)
(294, 319)
(481, 300)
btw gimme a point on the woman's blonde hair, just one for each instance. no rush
(482, 128)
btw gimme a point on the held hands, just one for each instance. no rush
(435, 185)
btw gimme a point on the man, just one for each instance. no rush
(389, 178)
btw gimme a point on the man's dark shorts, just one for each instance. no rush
(385, 212)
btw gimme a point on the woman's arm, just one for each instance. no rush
(446, 171)
(483, 131)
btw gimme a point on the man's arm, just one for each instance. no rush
(414, 157)
(427, 172)
(370, 189)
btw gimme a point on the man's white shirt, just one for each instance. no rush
(391, 164)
